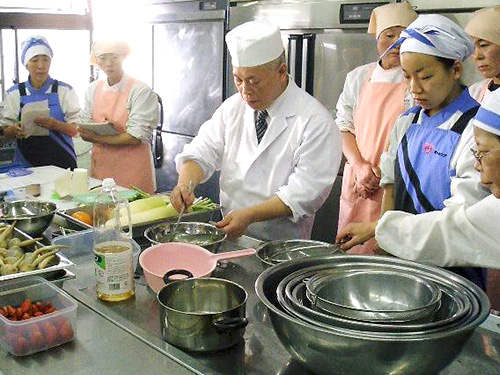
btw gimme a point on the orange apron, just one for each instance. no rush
(128, 165)
(379, 106)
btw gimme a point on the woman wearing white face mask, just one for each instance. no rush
(428, 165)
(132, 108)
(484, 28)
(374, 96)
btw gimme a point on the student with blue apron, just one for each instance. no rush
(428, 165)
(422, 170)
(50, 142)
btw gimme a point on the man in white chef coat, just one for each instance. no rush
(276, 147)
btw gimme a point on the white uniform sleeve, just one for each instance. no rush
(10, 112)
(69, 104)
(455, 236)
(85, 115)
(143, 112)
(318, 160)
(348, 99)
(466, 185)
(207, 147)
(388, 158)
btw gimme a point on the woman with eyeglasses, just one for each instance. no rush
(428, 165)
(484, 28)
(457, 235)
(131, 107)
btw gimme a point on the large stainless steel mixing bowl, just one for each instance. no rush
(32, 217)
(374, 295)
(454, 308)
(337, 352)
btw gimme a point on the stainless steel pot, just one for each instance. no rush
(205, 314)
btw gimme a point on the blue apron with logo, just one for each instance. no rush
(54, 149)
(423, 174)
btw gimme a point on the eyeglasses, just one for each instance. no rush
(479, 155)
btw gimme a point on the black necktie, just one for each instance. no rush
(260, 124)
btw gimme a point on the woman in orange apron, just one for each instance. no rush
(373, 97)
(131, 107)
(484, 28)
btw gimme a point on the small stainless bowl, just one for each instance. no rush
(280, 251)
(32, 217)
(202, 234)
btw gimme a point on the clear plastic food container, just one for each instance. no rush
(81, 244)
(24, 337)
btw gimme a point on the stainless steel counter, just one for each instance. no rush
(143, 348)
(100, 347)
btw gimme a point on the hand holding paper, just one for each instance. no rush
(29, 113)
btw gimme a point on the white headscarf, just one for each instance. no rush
(33, 46)
(488, 116)
(102, 47)
(435, 35)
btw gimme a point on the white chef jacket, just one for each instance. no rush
(465, 186)
(297, 159)
(354, 81)
(476, 89)
(67, 99)
(142, 106)
(454, 236)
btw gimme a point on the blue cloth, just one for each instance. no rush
(422, 170)
(33, 46)
(488, 116)
(435, 35)
(56, 148)
(424, 158)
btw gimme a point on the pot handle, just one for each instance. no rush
(166, 277)
(225, 325)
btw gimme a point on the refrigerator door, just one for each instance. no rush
(188, 71)
(336, 53)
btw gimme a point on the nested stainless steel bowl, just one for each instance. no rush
(374, 295)
(291, 293)
(279, 251)
(335, 350)
(32, 217)
(202, 234)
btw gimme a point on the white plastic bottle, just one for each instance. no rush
(113, 257)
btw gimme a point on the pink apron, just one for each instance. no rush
(379, 106)
(483, 91)
(128, 165)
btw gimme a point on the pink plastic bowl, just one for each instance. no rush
(159, 259)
